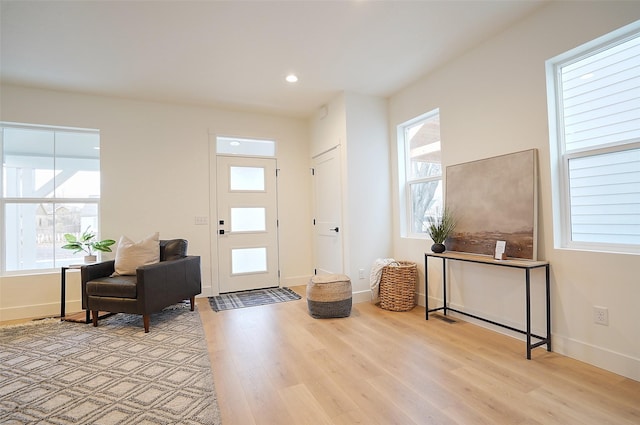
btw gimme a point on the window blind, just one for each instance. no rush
(601, 97)
(605, 197)
(598, 98)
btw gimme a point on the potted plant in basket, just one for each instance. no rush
(87, 244)
(439, 230)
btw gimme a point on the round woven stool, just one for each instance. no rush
(329, 295)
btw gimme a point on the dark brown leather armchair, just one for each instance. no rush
(156, 286)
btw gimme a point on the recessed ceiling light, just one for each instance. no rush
(292, 78)
(234, 143)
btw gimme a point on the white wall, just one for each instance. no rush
(358, 123)
(492, 101)
(155, 177)
(329, 126)
(368, 188)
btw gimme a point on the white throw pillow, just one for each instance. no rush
(131, 255)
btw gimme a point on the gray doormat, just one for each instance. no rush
(252, 298)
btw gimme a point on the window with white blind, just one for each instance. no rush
(595, 148)
(50, 186)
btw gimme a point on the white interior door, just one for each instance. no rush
(328, 212)
(247, 230)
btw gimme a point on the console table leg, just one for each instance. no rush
(528, 289)
(444, 284)
(426, 287)
(548, 308)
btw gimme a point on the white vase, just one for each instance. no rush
(90, 258)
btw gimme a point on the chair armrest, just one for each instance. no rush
(97, 270)
(93, 271)
(168, 282)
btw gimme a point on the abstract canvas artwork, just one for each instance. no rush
(495, 199)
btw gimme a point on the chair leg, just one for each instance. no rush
(145, 319)
(192, 300)
(94, 316)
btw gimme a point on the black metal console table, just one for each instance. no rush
(526, 265)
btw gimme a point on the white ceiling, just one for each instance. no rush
(237, 53)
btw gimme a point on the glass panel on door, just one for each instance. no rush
(248, 219)
(248, 260)
(246, 178)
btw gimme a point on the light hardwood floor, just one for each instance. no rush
(276, 365)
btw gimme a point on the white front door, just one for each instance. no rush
(247, 226)
(328, 212)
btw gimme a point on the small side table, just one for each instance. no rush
(63, 290)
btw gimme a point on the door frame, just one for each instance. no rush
(269, 238)
(212, 228)
(337, 149)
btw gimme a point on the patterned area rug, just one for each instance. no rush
(252, 298)
(70, 373)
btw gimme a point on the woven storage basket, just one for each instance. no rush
(398, 286)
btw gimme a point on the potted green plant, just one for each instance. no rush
(439, 229)
(86, 243)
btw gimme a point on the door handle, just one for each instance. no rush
(335, 229)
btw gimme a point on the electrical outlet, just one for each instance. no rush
(601, 315)
(361, 273)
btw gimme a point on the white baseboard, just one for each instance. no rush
(207, 291)
(295, 281)
(609, 360)
(38, 311)
(597, 356)
(357, 297)
(603, 358)
(362, 296)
